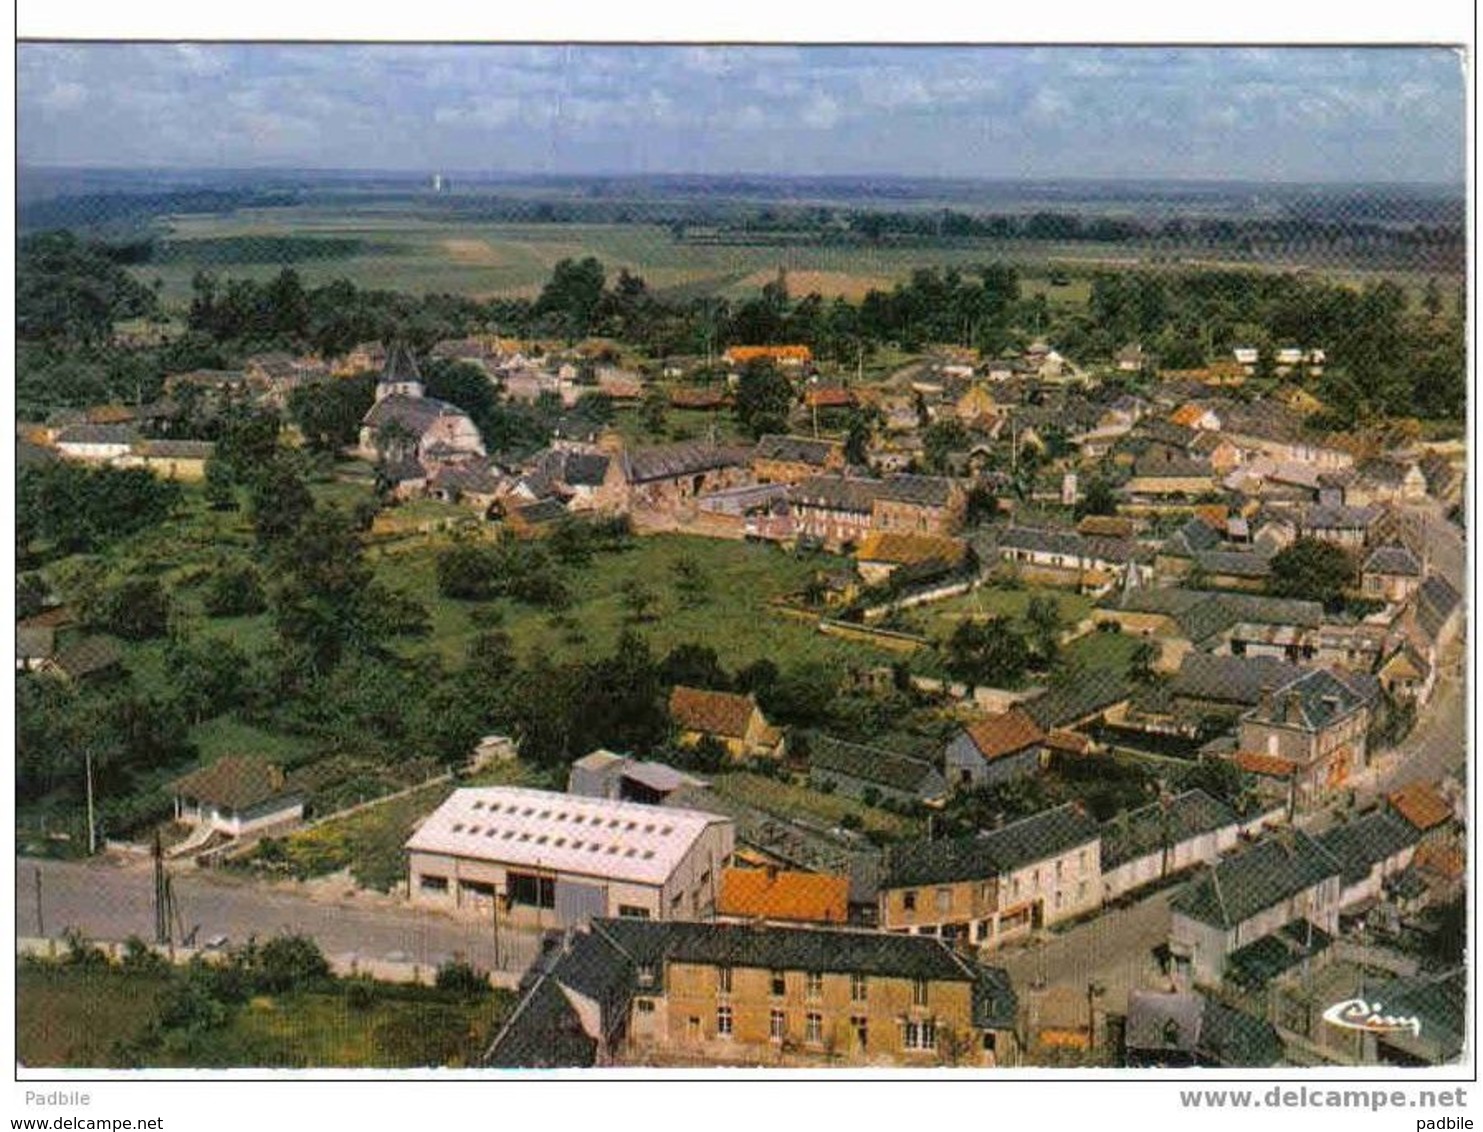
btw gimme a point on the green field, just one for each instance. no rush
(417, 254)
(409, 250)
(735, 620)
(77, 1018)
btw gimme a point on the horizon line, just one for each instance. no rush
(429, 170)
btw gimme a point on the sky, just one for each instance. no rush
(1267, 114)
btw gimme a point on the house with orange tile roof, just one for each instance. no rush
(733, 720)
(1194, 416)
(882, 553)
(781, 896)
(996, 749)
(1423, 806)
(790, 356)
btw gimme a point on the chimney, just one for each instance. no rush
(1264, 702)
(1293, 708)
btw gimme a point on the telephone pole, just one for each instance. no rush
(92, 822)
(40, 922)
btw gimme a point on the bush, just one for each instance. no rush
(289, 963)
(235, 589)
(459, 978)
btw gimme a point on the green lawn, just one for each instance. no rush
(940, 617)
(735, 620)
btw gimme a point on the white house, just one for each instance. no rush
(1163, 838)
(236, 795)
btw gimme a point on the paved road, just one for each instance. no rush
(111, 900)
(1115, 949)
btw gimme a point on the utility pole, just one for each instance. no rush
(494, 911)
(92, 823)
(161, 923)
(40, 922)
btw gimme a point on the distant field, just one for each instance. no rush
(392, 247)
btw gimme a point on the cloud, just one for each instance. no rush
(959, 111)
(821, 113)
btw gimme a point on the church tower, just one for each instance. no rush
(400, 375)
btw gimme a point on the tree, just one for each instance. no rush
(289, 963)
(207, 674)
(940, 440)
(325, 606)
(469, 572)
(1314, 570)
(329, 413)
(220, 485)
(654, 410)
(71, 292)
(1043, 614)
(137, 609)
(572, 296)
(279, 501)
(764, 399)
(980, 506)
(234, 589)
(1098, 499)
(249, 444)
(988, 652)
(638, 599)
(31, 592)
(691, 581)
(695, 666)
(1141, 663)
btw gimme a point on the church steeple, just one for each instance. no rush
(400, 375)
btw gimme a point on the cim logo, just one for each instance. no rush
(1357, 1014)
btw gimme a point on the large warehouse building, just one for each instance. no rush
(556, 860)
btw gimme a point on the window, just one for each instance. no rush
(1058, 900)
(779, 984)
(1014, 888)
(981, 932)
(984, 892)
(944, 899)
(723, 1021)
(814, 984)
(909, 900)
(693, 1027)
(723, 979)
(430, 883)
(919, 1035)
(644, 1005)
(1060, 869)
(777, 1026)
(1081, 860)
(861, 1027)
(919, 992)
(632, 912)
(645, 976)
(1035, 880)
(858, 988)
(813, 1028)
(534, 891)
(1081, 890)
